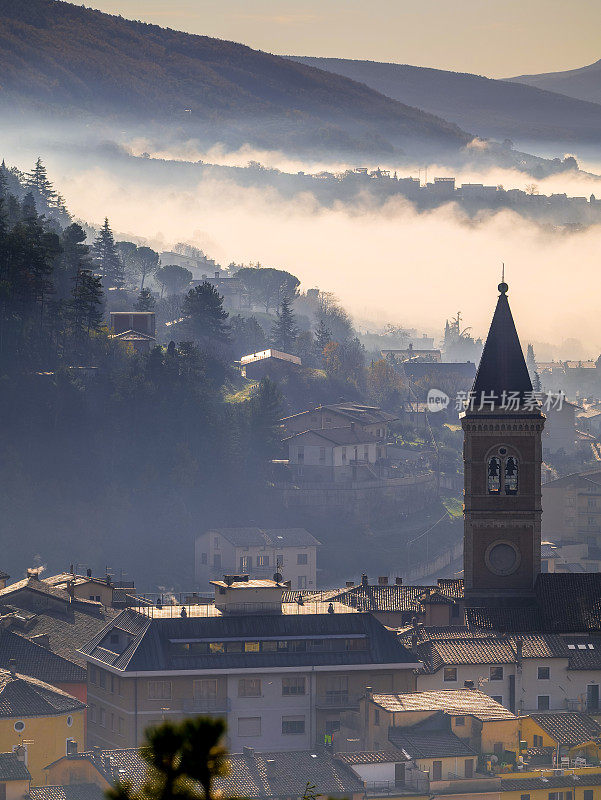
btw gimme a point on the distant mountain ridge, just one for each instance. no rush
(583, 83)
(55, 55)
(490, 108)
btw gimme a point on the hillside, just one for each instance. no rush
(55, 56)
(583, 83)
(487, 107)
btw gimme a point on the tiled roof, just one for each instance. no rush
(74, 791)
(372, 757)
(337, 436)
(149, 646)
(570, 602)
(569, 727)
(550, 782)
(11, 769)
(365, 415)
(250, 775)
(4, 576)
(21, 696)
(269, 537)
(506, 618)
(452, 701)
(36, 661)
(584, 652)
(429, 744)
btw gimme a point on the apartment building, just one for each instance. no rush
(258, 553)
(281, 681)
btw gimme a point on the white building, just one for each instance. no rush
(334, 455)
(258, 553)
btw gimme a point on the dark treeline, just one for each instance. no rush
(111, 458)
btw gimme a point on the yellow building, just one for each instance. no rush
(14, 776)
(573, 784)
(571, 734)
(43, 720)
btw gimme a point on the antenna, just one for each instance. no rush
(502, 272)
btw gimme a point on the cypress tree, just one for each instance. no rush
(283, 332)
(105, 253)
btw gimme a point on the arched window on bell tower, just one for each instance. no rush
(494, 475)
(511, 475)
(503, 471)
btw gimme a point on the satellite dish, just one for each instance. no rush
(278, 577)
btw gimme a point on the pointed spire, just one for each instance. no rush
(502, 366)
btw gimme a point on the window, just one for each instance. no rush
(217, 560)
(300, 455)
(245, 563)
(112, 678)
(216, 647)
(101, 717)
(205, 689)
(301, 558)
(203, 558)
(494, 475)
(544, 673)
(293, 726)
(537, 741)
(344, 455)
(459, 720)
(588, 794)
(322, 455)
(376, 716)
(92, 712)
(262, 561)
(437, 770)
(543, 702)
(293, 686)
(496, 673)
(121, 725)
(252, 647)
(159, 690)
(366, 453)
(524, 797)
(450, 674)
(249, 726)
(93, 674)
(302, 582)
(511, 475)
(113, 722)
(216, 543)
(19, 726)
(249, 687)
(101, 679)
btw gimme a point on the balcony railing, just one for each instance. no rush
(215, 705)
(338, 699)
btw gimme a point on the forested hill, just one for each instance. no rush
(484, 106)
(57, 55)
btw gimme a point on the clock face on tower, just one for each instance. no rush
(502, 557)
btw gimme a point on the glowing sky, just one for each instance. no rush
(497, 38)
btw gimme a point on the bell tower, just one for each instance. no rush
(502, 454)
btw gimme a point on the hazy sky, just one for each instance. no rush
(498, 38)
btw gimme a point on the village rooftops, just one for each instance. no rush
(267, 537)
(456, 702)
(569, 727)
(135, 643)
(75, 791)
(250, 774)
(22, 696)
(349, 435)
(32, 658)
(243, 582)
(12, 768)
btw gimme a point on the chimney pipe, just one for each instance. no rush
(12, 663)
(350, 584)
(398, 581)
(468, 684)
(519, 649)
(383, 580)
(249, 752)
(364, 581)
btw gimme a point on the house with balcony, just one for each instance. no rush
(258, 553)
(334, 455)
(369, 419)
(282, 681)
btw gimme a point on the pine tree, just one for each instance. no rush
(85, 305)
(283, 332)
(145, 301)
(322, 337)
(37, 181)
(203, 306)
(105, 253)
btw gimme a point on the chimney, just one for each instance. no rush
(383, 581)
(468, 684)
(270, 766)
(20, 753)
(364, 581)
(398, 581)
(349, 584)
(106, 763)
(70, 590)
(71, 747)
(89, 572)
(12, 664)
(414, 640)
(249, 752)
(217, 274)
(352, 426)
(519, 648)
(71, 569)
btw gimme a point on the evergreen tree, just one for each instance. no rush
(283, 332)
(37, 182)
(203, 306)
(265, 408)
(145, 301)
(530, 360)
(105, 253)
(146, 262)
(322, 337)
(85, 305)
(75, 256)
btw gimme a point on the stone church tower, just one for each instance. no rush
(502, 427)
